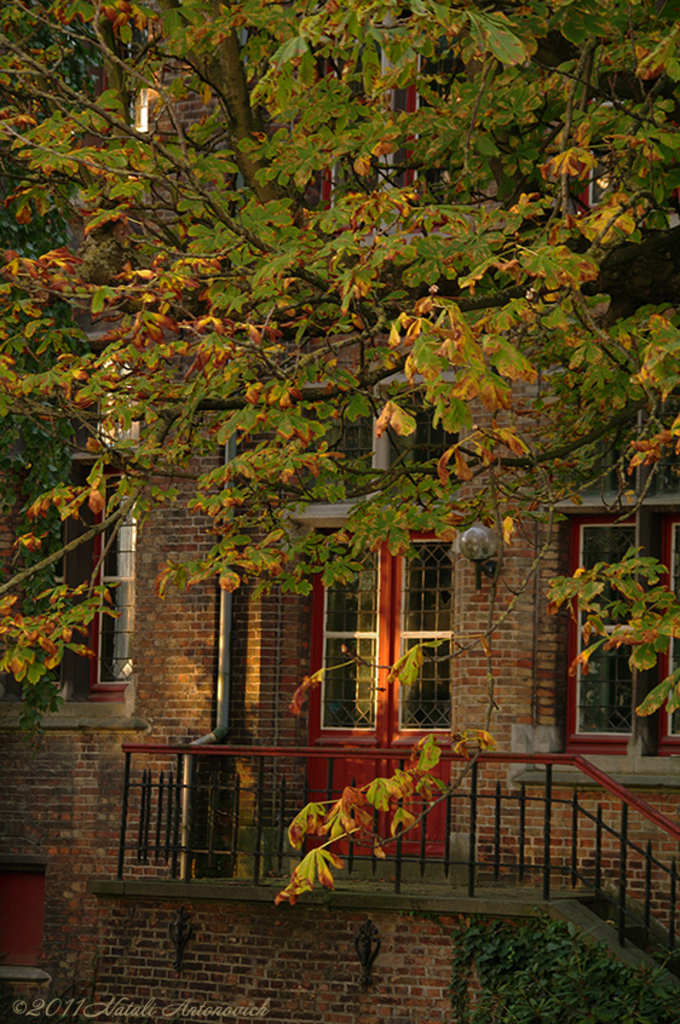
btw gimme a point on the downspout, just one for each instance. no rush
(223, 650)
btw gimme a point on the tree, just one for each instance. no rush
(308, 250)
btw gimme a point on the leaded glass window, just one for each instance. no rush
(605, 693)
(426, 442)
(428, 614)
(115, 634)
(350, 651)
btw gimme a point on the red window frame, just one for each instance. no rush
(615, 743)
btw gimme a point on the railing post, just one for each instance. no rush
(472, 851)
(147, 814)
(142, 812)
(397, 866)
(350, 851)
(546, 831)
(598, 851)
(423, 833)
(236, 817)
(123, 820)
(648, 888)
(168, 817)
(187, 802)
(179, 780)
(522, 828)
(574, 839)
(282, 822)
(623, 853)
(497, 833)
(159, 817)
(671, 909)
(257, 851)
(329, 779)
(447, 838)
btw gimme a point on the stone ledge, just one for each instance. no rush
(437, 900)
(572, 777)
(26, 974)
(23, 861)
(110, 716)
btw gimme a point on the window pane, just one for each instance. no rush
(349, 691)
(428, 614)
(426, 442)
(115, 633)
(354, 440)
(606, 691)
(116, 636)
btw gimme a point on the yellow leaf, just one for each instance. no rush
(362, 166)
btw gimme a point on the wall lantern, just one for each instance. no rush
(479, 544)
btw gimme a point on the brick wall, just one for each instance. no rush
(302, 959)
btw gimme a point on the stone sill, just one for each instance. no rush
(23, 861)
(25, 974)
(602, 503)
(432, 899)
(660, 779)
(108, 715)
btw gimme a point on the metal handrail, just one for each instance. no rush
(183, 803)
(604, 780)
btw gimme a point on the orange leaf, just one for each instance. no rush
(300, 695)
(463, 471)
(96, 502)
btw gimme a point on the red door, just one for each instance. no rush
(359, 630)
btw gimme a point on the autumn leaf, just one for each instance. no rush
(472, 740)
(402, 422)
(463, 471)
(96, 501)
(426, 753)
(657, 697)
(300, 695)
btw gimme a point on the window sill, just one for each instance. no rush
(26, 974)
(631, 771)
(77, 716)
(603, 503)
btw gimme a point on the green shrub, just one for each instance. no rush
(544, 972)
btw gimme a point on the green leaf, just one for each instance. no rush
(656, 697)
(498, 37)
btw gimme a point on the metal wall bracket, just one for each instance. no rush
(180, 933)
(367, 945)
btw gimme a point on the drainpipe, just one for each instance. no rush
(223, 650)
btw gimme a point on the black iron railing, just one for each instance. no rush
(221, 812)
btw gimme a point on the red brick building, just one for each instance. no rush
(82, 914)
